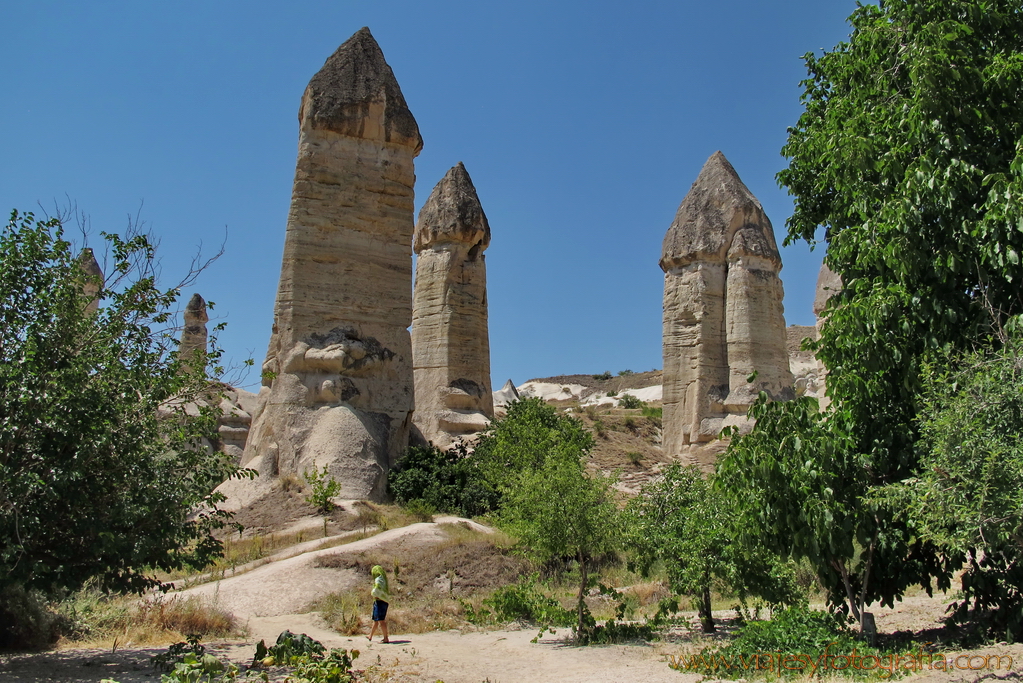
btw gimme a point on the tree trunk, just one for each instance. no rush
(706, 620)
(582, 593)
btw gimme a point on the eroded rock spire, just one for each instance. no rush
(92, 281)
(450, 337)
(194, 337)
(338, 373)
(723, 315)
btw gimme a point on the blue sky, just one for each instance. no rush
(582, 124)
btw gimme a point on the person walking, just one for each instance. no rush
(381, 599)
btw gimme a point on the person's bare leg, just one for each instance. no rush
(383, 629)
(373, 631)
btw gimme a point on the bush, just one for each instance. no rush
(523, 601)
(796, 632)
(603, 376)
(429, 479)
(324, 487)
(630, 402)
(26, 622)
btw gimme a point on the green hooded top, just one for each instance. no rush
(380, 591)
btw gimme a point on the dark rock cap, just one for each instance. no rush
(453, 213)
(718, 218)
(340, 95)
(195, 311)
(90, 266)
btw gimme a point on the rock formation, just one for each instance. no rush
(506, 395)
(338, 373)
(723, 315)
(829, 283)
(450, 338)
(92, 281)
(194, 337)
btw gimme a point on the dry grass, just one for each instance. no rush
(117, 621)
(427, 583)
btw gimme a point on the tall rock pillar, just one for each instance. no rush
(194, 336)
(723, 315)
(450, 337)
(92, 281)
(338, 373)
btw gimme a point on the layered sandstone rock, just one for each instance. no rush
(92, 281)
(194, 336)
(450, 338)
(723, 315)
(829, 283)
(338, 374)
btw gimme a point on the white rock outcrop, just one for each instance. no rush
(723, 314)
(450, 337)
(338, 374)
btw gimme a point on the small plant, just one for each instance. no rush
(651, 412)
(290, 482)
(420, 510)
(341, 612)
(288, 650)
(600, 428)
(612, 393)
(324, 487)
(625, 373)
(603, 376)
(630, 402)
(335, 667)
(175, 654)
(634, 457)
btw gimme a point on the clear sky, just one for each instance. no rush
(582, 124)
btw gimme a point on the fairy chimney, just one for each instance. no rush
(194, 336)
(723, 315)
(338, 374)
(92, 279)
(450, 338)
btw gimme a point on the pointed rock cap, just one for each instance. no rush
(195, 311)
(719, 218)
(829, 283)
(507, 394)
(453, 214)
(90, 266)
(92, 280)
(356, 94)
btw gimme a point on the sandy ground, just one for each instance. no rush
(273, 597)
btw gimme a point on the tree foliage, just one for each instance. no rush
(909, 155)
(690, 526)
(102, 454)
(968, 494)
(446, 481)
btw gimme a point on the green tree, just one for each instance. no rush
(447, 481)
(968, 495)
(103, 473)
(557, 511)
(689, 526)
(909, 155)
(529, 434)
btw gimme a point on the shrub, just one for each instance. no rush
(603, 376)
(631, 402)
(625, 373)
(798, 632)
(324, 487)
(634, 457)
(441, 481)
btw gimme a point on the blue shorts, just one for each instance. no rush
(379, 610)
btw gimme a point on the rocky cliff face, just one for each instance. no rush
(723, 315)
(450, 338)
(338, 374)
